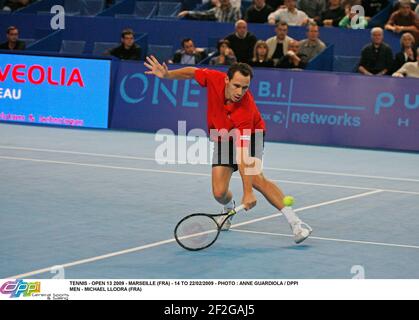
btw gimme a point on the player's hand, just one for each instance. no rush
(249, 200)
(155, 68)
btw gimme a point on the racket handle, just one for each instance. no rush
(239, 208)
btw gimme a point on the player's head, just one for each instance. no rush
(127, 38)
(12, 34)
(237, 81)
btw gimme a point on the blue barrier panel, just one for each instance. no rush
(380, 19)
(298, 106)
(54, 90)
(323, 61)
(51, 43)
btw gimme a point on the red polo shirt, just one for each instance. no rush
(242, 115)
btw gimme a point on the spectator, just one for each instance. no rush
(275, 4)
(408, 52)
(293, 59)
(398, 3)
(278, 44)
(409, 69)
(291, 15)
(260, 56)
(404, 20)
(258, 12)
(109, 3)
(225, 12)
(242, 42)
(234, 3)
(128, 49)
(226, 56)
(12, 5)
(346, 22)
(332, 15)
(376, 57)
(372, 7)
(189, 54)
(312, 46)
(13, 42)
(313, 8)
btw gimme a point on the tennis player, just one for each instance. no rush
(238, 130)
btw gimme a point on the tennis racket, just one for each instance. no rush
(199, 231)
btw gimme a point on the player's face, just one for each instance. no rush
(237, 87)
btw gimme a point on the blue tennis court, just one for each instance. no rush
(97, 203)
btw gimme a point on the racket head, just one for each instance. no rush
(197, 231)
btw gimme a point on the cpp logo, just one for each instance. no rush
(123, 88)
(16, 288)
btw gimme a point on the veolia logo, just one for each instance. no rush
(38, 75)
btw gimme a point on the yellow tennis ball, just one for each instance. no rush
(288, 201)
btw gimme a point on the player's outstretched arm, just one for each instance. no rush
(162, 71)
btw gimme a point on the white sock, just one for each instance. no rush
(229, 206)
(290, 215)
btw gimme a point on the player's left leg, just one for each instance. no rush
(221, 176)
(275, 196)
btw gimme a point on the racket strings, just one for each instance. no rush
(197, 232)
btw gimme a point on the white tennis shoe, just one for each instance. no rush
(301, 231)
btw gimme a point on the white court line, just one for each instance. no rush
(198, 174)
(154, 160)
(155, 244)
(332, 239)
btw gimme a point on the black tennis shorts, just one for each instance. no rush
(225, 151)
